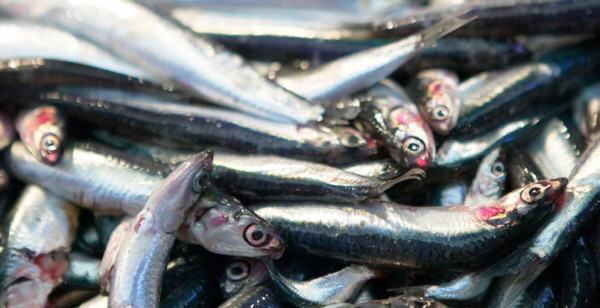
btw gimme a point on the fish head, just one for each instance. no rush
(242, 273)
(180, 190)
(233, 230)
(412, 144)
(358, 144)
(441, 105)
(493, 173)
(42, 131)
(529, 205)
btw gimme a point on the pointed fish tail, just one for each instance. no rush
(412, 174)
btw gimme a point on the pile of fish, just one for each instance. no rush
(263, 153)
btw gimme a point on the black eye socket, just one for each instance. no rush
(238, 270)
(497, 168)
(256, 236)
(199, 181)
(351, 140)
(533, 193)
(413, 145)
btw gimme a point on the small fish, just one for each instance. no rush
(389, 114)
(436, 93)
(36, 252)
(451, 238)
(143, 254)
(337, 287)
(241, 274)
(107, 265)
(382, 170)
(190, 282)
(488, 184)
(42, 130)
(586, 111)
(261, 296)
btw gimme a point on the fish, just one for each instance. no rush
(586, 111)
(42, 130)
(26, 40)
(241, 274)
(143, 255)
(171, 51)
(336, 287)
(488, 183)
(107, 265)
(36, 248)
(178, 125)
(261, 296)
(382, 170)
(436, 93)
(579, 278)
(389, 114)
(189, 282)
(414, 237)
(358, 71)
(83, 272)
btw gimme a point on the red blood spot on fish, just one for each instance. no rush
(488, 212)
(561, 201)
(138, 223)
(52, 265)
(217, 221)
(44, 117)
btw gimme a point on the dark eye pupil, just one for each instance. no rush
(534, 192)
(441, 113)
(413, 147)
(257, 235)
(352, 139)
(236, 271)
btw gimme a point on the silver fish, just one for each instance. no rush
(110, 254)
(336, 287)
(586, 111)
(142, 256)
(241, 274)
(36, 255)
(489, 181)
(143, 37)
(42, 130)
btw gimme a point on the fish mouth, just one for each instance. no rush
(557, 187)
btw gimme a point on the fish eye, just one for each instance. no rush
(351, 140)
(199, 181)
(533, 193)
(238, 270)
(256, 235)
(413, 145)
(497, 168)
(49, 143)
(440, 113)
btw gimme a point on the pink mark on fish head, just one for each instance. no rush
(486, 213)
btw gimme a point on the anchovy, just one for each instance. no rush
(488, 183)
(446, 238)
(578, 275)
(436, 93)
(175, 123)
(42, 130)
(261, 296)
(505, 18)
(36, 252)
(336, 287)
(189, 282)
(358, 71)
(241, 274)
(24, 39)
(168, 50)
(382, 170)
(524, 90)
(577, 209)
(586, 111)
(521, 169)
(389, 114)
(143, 254)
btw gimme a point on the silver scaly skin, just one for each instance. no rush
(159, 45)
(42, 130)
(488, 184)
(337, 287)
(382, 170)
(143, 255)
(25, 39)
(452, 238)
(107, 265)
(36, 256)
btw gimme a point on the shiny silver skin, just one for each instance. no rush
(7, 132)
(577, 209)
(382, 170)
(453, 193)
(436, 93)
(41, 228)
(143, 37)
(553, 150)
(42, 130)
(241, 274)
(261, 296)
(99, 301)
(488, 184)
(107, 264)
(468, 287)
(337, 287)
(389, 114)
(25, 39)
(143, 255)
(350, 74)
(586, 111)
(452, 238)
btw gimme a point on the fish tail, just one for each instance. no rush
(412, 174)
(445, 26)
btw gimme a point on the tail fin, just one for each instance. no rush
(412, 174)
